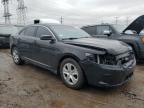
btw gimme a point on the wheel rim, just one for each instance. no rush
(70, 73)
(15, 56)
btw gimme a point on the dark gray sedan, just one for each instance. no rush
(74, 55)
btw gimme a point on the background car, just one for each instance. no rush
(74, 55)
(6, 31)
(132, 35)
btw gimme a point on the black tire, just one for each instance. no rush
(138, 60)
(15, 53)
(79, 81)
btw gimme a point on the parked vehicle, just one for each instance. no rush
(132, 35)
(74, 55)
(5, 32)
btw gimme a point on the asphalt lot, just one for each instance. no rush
(29, 86)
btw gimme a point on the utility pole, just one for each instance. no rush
(7, 14)
(21, 12)
(61, 20)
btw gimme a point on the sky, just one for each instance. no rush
(81, 12)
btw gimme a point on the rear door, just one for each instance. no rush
(26, 42)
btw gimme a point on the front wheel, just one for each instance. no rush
(72, 74)
(16, 57)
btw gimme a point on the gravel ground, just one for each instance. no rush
(29, 86)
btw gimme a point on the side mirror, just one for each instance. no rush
(46, 37)
(107, 32)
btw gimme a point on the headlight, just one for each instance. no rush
(90, 56)
(142, 39)
(93, 57)
(108, 59)
(101, 59)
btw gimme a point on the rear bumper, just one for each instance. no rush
(107, 76)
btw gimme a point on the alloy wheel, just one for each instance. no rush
(15, 55)
(70, 73)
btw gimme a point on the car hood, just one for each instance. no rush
(137, 25)
(111, 46)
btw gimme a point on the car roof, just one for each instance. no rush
(45, 24)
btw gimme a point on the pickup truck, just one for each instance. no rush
(132, 35)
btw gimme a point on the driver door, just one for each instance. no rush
(46, 49)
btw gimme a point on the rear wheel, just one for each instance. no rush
(16, 57)
(72, 74)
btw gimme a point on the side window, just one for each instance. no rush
(30, 31)
(100, 29)
(90, 30)
(42, 31)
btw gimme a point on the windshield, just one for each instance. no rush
(119, 28)
(9, 29)
(69, 32)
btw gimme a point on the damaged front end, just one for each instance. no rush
(109, 59)
(107, 70)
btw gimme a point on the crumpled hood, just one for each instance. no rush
(111, 46)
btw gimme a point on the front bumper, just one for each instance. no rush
(108, 76)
